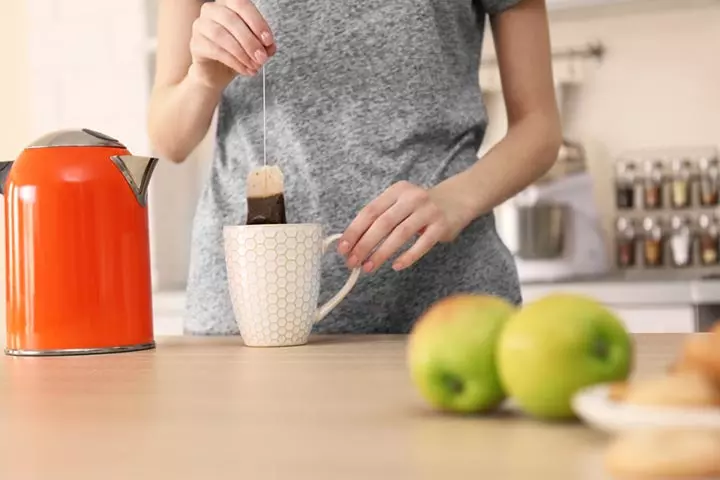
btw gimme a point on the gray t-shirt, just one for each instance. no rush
(360, 95)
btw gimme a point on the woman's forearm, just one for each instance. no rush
(180, 115)
(528, 150)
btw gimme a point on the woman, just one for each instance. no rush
(375, 117)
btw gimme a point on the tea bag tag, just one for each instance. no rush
(266, 196)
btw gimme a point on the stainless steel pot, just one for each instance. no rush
(541, 230)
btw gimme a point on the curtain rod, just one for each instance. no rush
(592, 50)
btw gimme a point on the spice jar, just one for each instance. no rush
(709, 181)
(625, 176)
(652, 243)
(680, 241)
(652, 188)
(681, 178)
(625, 242)
(708, 240)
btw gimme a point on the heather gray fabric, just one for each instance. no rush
(361, 94)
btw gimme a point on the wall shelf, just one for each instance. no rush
(563, 5)
(579, 9)
(570, 67)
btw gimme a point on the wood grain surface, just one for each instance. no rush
(340, 408)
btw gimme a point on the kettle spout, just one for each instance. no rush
(4, 172)
(137, 172)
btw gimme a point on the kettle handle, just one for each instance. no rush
(4, 172)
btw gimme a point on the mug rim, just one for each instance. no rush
(272, 226)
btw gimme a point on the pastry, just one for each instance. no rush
(266, 197)
(715, 330)
(701, 353)
(618, 391)
(665, 454)
(681, 365)
(682, 389)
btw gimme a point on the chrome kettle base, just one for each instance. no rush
(79, 351)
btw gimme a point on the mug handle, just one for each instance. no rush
(328, 306)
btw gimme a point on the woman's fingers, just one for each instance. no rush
(233, 18)
(247, 11)
(271, 50)
(365, 218)
(212, 49)
(379, 219)
(402, 234)
(380, 229)
(236, 28)
(391, 220)
(214, 42)
(432, 235)
(227, 26)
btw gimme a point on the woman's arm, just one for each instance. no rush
(529, 149)
(201, 48)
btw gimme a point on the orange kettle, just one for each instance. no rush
(77, 247)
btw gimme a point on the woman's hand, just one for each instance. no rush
(400, 213)
(229, 38)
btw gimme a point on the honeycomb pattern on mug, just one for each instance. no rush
(274, 281)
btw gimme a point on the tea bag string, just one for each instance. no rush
(264, 124)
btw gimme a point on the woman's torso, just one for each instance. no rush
(360, 95)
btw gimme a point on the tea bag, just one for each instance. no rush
(265, 196)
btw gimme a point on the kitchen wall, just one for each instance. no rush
(658, 85)
(14, 116)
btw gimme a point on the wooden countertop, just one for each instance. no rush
(209, 408)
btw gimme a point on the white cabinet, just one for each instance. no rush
(654, 319)
(555, 5)
(644, 307)
(168, 325)
(168, 308)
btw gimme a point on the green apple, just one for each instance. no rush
(451, 352)
(558, 345)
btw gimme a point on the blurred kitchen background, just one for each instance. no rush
(630, 213)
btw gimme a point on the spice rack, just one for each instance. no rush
(666, 210)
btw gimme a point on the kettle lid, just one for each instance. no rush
(75, 138)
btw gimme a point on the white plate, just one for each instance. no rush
(594, 406)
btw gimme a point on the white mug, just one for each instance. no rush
(273, 276)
